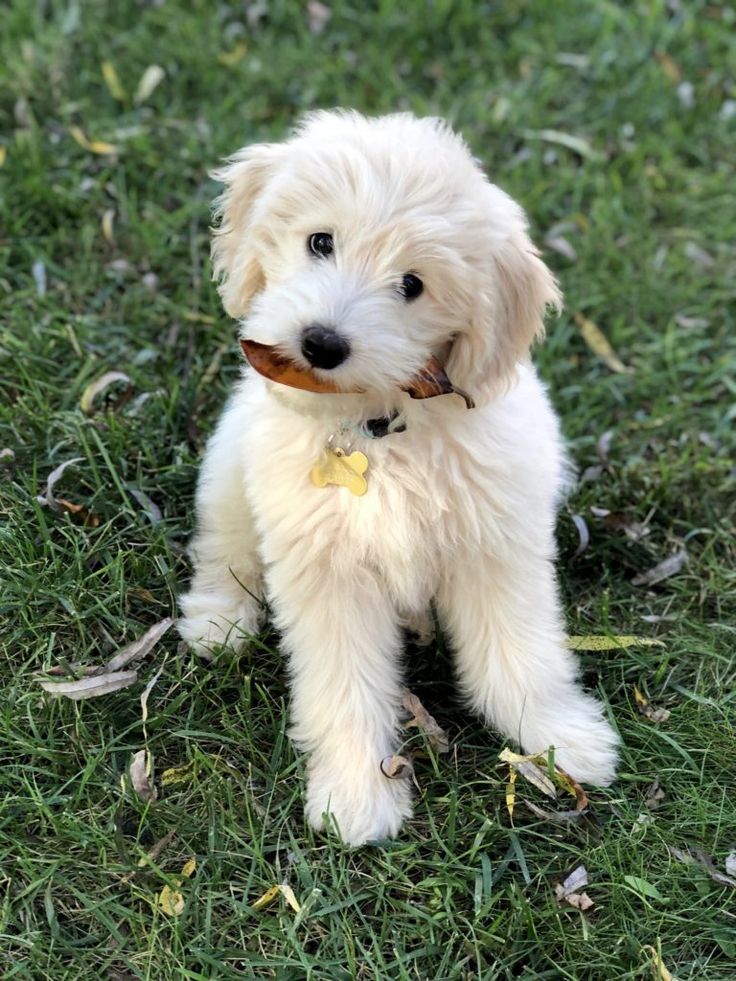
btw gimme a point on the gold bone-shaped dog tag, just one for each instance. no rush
(345, 471)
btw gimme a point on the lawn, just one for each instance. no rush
(615, 126)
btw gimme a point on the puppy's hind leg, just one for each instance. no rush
(505, 623)
(223, 603)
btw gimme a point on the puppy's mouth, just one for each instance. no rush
(272, 363)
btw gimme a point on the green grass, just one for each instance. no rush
(463, 893)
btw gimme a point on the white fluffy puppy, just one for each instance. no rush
(362, 249)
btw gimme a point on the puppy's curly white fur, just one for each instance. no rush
(384, 239)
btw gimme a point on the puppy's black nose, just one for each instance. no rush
(323, 347)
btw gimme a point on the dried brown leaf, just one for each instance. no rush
(91, 687)
(38, 270)
(138, 772)
(95, 388)
(556, 817)
(568, 891)
(151, 855)
(558, 243)
(691, 323)
(529, 768)
(142, 594)
(425, 722)
(53, 478)
(147, 691)
(591, 474)
(397, 768)
(583, 534)
(79, 511)
(694, 854)
(648, 710)
(620, 521)
(578, 144)
(141, 647)
(318, 14)
(150, 508)
(654, 795)
(663, 570)
(599, 344)
(698, 256)
(571, 786)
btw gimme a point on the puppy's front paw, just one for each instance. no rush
(586, 746)
(595, 761)
(364, 804)
(210, 621)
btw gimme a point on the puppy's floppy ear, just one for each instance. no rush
(516, 287)
(235, 261)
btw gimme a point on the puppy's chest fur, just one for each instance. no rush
(407, 525)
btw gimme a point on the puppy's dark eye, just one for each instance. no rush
(411, 286)
(321, 244)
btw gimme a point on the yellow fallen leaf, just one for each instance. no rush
(611, 643)
(177, 774)
(170, 899)
(530, 767)
(93, 146)
(511, 792)
(3, 154)
(267, 898)
(107, 220)
(288, 893)
(662, 974)
(599, 344)
(232, 57)
(149, 80)
(112, 81)
(669, 66)
(199, 318)
(189, 867)
(279, 890)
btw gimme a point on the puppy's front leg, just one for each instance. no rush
(222, 604)
(506, 626)
(343, 641)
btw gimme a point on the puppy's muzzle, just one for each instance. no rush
(323, 347)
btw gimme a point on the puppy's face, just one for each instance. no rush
(362, 248)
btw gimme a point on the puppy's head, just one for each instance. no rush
(363, 247)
